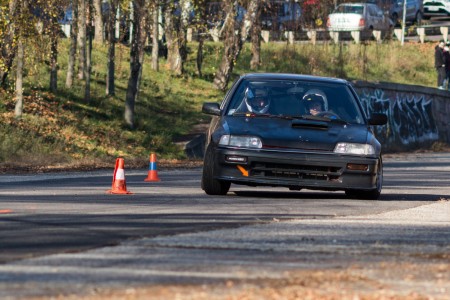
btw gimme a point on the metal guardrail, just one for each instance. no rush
(443, 28)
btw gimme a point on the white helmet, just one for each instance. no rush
(316, 96)
(257, 100)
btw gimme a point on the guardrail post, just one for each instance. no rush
(66, 29)
(377, 35)
(265, 34)
(356, 36)
(335, 36)
(214, 32)
(444, 32)
(398, 33)
(312, 35)
(290, 37)
(421, 34)
(189, 34)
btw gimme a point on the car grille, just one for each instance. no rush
(303, 172)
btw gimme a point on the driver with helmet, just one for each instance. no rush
(315, 102)
(257, 100)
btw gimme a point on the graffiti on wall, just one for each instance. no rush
(410, 120)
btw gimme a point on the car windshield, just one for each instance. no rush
(349, 9)
(295, 99)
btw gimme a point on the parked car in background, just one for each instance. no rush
(293, 131)
(433, 8)
(281, 15)
(364, 17)
(414, 10)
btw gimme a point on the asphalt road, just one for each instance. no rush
(70, 215)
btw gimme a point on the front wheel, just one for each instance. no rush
(210, 185)
(419, 18)
(371, 194)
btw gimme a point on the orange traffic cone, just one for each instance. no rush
(152, 169)
(119, 185)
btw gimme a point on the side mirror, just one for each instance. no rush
(378, 119)
(211, 108)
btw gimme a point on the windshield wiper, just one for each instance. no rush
(321, 118)
(254, 115)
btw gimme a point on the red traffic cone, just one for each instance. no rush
(119, 185)
(152, 169)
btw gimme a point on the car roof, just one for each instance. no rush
(286, 76)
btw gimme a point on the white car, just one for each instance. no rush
(364, 17)
(436, 8)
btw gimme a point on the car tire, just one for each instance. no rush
(210, 185)
(371, 194)
(395, 21)
(419, 18)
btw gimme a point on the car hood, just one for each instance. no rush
(293, 134)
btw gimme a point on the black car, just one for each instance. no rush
(292, 131)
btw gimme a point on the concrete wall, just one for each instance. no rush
(417, 116)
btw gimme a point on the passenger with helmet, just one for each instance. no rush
(315, 102)
(257, 101)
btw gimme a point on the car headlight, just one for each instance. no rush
(240, 141)
(357, 149)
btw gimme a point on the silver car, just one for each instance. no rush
(364, 17)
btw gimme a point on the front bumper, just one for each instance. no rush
(436, 11)
(312, 170)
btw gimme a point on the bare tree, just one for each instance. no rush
(20, 34)
(18, 109)
(53, 62)
(155, 35)
(234, 40)
(255, 37)
(7, 46)
(176, 22)
(110, 84)
(98, 21)
(201, 21)
(73, 45)
(81, 39)
(141, 22)
(88, 68)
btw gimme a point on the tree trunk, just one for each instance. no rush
(176, 35)
(173, 52)
(19, 79)
(110, 84)
(136, 59)
(82, 39)
(98, 21)
(202, 28)
(8, 47)
(255, 37)
(234, 41)
(54, 60)
(73, 45)
(155, 36)
(87, 75)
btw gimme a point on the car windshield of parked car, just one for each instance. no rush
(295, 99)
(350, 9)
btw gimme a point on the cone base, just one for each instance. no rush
(152, 179)
(152, 176)
(119, 192)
